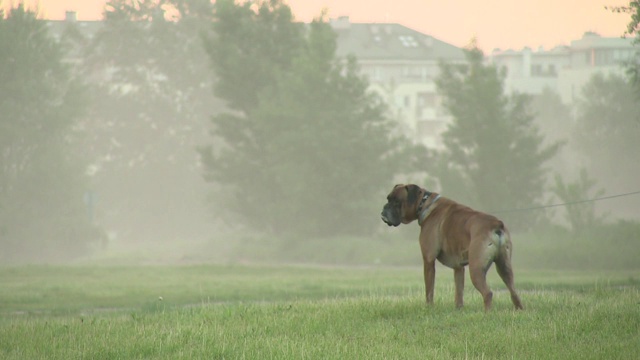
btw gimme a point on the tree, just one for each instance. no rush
(607, 129)
(250, 47)
(41, 182)
(494, 156)
(306, 148)
(556, 123)
(149, 111)
(581, 216)
(633, 29)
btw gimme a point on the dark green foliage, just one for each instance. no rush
(494, 157)
(581, 217)
(607, 131)
(602, 246)
(250, 48)
(307, 150)
(42, 213)
(150, 79)
(149, 111)
(633, 29)
(555, 121)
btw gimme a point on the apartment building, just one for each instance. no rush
(402, 65)
(564, 69)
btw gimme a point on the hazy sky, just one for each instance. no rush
(495, 23)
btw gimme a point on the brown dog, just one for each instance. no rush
(457, 236)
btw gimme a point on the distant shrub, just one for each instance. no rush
(612, 246)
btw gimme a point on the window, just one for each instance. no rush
(377, 73)
(408, 41)
(603, 57)
(536, 70)
(427, 99)
(424, 72)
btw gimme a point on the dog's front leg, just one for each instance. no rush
(429, 279)
(458, 274)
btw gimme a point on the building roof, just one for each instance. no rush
(589, 40)
(593, 40)
(365, 41)
(87, 28)
(558, 51)
(390, 41)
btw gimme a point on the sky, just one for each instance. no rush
(504, 24)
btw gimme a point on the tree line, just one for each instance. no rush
(293, 142)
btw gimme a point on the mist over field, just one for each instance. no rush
(190, 132)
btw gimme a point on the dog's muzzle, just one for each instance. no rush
(388, 217)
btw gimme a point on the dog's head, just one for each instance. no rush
(402, 204)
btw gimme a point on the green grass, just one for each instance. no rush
(293, 312)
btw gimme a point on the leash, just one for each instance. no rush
(564, 204)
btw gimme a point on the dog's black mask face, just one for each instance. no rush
(401, 198)
(392, 212)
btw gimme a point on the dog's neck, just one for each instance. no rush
(422, 214)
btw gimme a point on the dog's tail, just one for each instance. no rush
(499, 235)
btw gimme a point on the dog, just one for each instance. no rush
(456, 236)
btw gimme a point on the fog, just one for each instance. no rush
(158, 139)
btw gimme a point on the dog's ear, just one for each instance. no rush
(413, 193)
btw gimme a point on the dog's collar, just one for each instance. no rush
(423, 214)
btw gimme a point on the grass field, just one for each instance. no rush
(295, 312)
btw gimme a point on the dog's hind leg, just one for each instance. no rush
(503, 265)
(478, 272)
(482, 253)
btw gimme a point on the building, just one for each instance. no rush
(76, 31)
(564, 69)
(402, 65)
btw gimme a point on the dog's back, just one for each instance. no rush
(455, 226)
